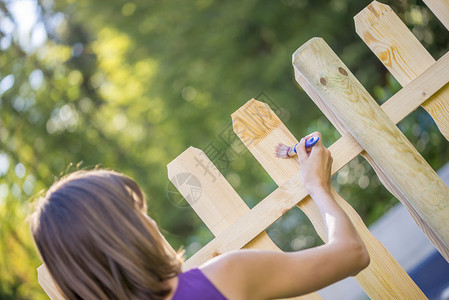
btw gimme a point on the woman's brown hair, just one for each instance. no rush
(97, 242)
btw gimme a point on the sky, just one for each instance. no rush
(31, 34)
(31, 31)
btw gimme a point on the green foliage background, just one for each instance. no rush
(130, 85)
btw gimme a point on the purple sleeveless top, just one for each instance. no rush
(194, 285)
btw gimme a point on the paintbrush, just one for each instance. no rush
(284, 151)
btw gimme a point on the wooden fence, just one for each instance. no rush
(366, 128)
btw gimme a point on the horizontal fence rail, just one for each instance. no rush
(366, 128)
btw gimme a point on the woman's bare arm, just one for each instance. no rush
(316, 171)
(257, 274)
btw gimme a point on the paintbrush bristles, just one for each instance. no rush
(284, 151)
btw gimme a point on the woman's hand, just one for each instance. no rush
(259, 274)
(316, 163)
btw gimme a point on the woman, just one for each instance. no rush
(97, 242)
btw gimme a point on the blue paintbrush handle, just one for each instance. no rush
(310, 142)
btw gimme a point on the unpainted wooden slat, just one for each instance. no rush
(376, 133)
(47, 283)
(213, 198)
(343, 151)
(384, 278)
(290, 193)
(401, 53)
(380, 173)
(441, 9)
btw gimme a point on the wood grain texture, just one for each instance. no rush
(343, 151)
(346, 148)
(397, 108)
(218, 205)
(384, 278)
(47, 283)
(253, 222)
(394, 105)
(401, 52)
(418, 87)
(422, 89)
(441, 9)
(376, 133)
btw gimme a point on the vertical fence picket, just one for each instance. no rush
(376, 133)
(363, 127)
(286, 196)
(380, 173)
(218, 205)
(441, 9)
(261, 137)
(47, 283)
(402, 54)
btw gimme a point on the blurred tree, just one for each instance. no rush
(130, 85)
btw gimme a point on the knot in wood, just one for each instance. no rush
(342, 71)
(323, 81)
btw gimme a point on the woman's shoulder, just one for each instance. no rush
(227, 273)
(194, 284)
(234, 275)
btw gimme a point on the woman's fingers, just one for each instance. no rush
(315, 134)
(301, 151)
(317, 145)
